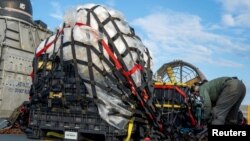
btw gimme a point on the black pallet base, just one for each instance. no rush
(87, 126)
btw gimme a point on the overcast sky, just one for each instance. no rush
(213, 35)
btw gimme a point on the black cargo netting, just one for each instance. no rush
(60, 86)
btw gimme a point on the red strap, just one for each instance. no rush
(32, 74)
(81, 24)
(171, 87)
(147, 139)
(110, 53)
(133, 70)
(193, 121)
(44, 49)
(132, 87)
(181, 92)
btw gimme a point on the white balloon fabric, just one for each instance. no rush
(94, 26)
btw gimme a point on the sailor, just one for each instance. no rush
(222, 99)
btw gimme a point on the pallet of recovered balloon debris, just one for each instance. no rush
(92, 77)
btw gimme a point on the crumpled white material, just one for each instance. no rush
(90, 35)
